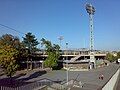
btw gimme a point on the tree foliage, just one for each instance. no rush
(8, 39)
(53, 53)
(14, 42)
(8, 56)
(110, 57)
(118, 55)
(30, 42)
(10, 53)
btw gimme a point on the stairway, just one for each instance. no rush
(75, 58)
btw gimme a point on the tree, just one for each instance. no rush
(8, 39)
(118, 55)
(30, 42)
(8, 56)
(53, 53)
(9, 51)
(110, 57)
(14, 42)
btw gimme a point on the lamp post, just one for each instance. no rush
(67, 63)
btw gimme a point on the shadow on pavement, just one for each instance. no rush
(14, 83)
(1, 74)
(58, 81)
(19, 82)
(34, 75)
(18, 76)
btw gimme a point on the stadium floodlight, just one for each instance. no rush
(91, 10)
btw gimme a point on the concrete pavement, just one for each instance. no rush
(90, 79)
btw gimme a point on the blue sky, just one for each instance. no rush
(50, 19)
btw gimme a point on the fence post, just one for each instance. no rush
(1, 88)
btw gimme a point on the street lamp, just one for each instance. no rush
(67, 63)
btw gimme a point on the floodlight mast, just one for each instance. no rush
(91, 10)
(60, 38)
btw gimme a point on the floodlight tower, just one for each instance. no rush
(60, 38)
(91, 10)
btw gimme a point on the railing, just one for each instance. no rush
(43, 83)
(65, 86)
(31, 86)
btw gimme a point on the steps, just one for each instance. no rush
(75, 58)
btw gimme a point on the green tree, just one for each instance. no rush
(118, 55)
(14, 42)
(31, 43)
(8, 39)
(8, 56)
(110, 57)
(52, 52)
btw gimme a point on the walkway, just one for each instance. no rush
(90, 79)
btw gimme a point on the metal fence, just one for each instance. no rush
(31, 86)
(40, 84)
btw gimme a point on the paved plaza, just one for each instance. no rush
(90, 79)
